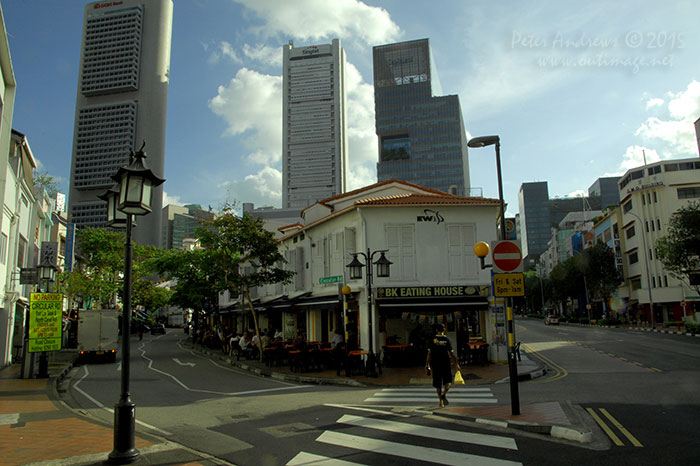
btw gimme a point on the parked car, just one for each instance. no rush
(157, 328)
(551, 320)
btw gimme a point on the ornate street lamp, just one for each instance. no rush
(133, 197)
(484, 141)
(355, 267)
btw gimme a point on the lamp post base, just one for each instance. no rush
(124, 431)
(371, 365)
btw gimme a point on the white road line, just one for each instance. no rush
(434, 395)
(432, 390)
(111, 411)
(308, 459)
(11, 418)
(424, 399)
(357, 408)
(213, 392)
(430, 455)
(496, 441)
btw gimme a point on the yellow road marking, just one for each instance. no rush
(619, 426)
(622, 359)
(616, 440)
(637, 363)
(561, 372)
(655, 369)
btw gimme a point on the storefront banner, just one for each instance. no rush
(455, 291)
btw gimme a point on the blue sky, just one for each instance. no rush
(575, 90)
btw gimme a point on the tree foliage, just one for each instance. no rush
(46, 182)
(602, 275)
(679, 251)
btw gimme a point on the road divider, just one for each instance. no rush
(609, 431)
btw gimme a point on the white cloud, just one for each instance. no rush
(263, 188)
(577, 193)
(360, 176)
(319, 19)
(655, 102)
(676, 133)
(171, 200)
(361, 133)
(635, 157)
(251, 106)
(264, 54)
(224, 49)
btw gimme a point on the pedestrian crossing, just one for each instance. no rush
(456, 396)
(415, 442)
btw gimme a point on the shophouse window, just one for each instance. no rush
(401, 244)
(462, 263)
(658, 280)
(688, 193)
(653, 282)
(627, 206)
(649, 198)
(633, 258)
(21, 252)
(658, 224)
(666, 281)
(636, 283)
(652, 225)
(630, 232)
(651, 255)
(644, 201)
(3, 248)
(646, 224)
(655, 198)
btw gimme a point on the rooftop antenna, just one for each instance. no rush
(644, 154)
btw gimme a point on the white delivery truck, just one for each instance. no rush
(98, 333)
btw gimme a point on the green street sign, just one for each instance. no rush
(331, 279)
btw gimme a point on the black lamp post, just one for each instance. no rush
(355, 274)
(484, 141)
(131, 196)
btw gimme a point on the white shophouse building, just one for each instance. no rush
(435, 277)
(649, 197)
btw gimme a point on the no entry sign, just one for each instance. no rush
(506, 256)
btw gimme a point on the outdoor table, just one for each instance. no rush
(478, 352)
(355, 362)
(397, 355)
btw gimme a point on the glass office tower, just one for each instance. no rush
(421, 134)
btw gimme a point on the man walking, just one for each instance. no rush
(439, 354)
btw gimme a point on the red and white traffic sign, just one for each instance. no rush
(506, 256)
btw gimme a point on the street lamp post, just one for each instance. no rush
(484, 141)
(355, 274)
(646, 264)
(131, 196)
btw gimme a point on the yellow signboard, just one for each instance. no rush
(45, 319)
(508, 284)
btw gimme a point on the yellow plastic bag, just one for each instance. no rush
(458, 378)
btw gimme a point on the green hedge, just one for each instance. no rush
(609, 321)
(692, 327)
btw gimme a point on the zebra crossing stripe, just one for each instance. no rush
(308, 459)
(433, 395)
(430, 455)
(496, 441)
(424, 399)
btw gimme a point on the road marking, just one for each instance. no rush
(561, 372)
(191, 364)
(308, 459)
(619, 426)
(495, 441)
(7, 419)
(432, 390)
(452, 399)
(429, 455)
(109, 410)
(655, 369)
(369, 410)
(616, 440)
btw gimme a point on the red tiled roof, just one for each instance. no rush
(426, 199)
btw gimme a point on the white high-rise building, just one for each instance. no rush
(121, 102)
(314, 146)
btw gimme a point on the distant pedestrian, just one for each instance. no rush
(438, 361)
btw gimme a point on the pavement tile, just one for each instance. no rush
(538, 413)
(23, 403)
(14, 385)
(55, 439)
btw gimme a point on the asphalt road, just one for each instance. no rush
(647, 383)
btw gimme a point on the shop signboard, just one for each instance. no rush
(45, 319)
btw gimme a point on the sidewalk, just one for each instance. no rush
(36, 428)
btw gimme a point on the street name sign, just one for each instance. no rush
(331, 279)
(508, 284)
(506, 256)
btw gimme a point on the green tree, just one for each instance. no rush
(244, 255)
(602, 275)
(46, 182)
(679, 251)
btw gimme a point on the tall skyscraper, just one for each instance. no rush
(121, 102)
(421, 134)
(314, 144)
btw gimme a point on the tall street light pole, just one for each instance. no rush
(484, 141)
(356, 273)
(646, 264)
(131, 196)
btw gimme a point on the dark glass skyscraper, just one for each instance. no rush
(421, 134)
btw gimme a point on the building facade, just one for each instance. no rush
(121, 102)
(421, 134)
(649, 196)
(314, 146)
(435, 276)
(181, 223)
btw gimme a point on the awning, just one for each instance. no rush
(302, 302)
